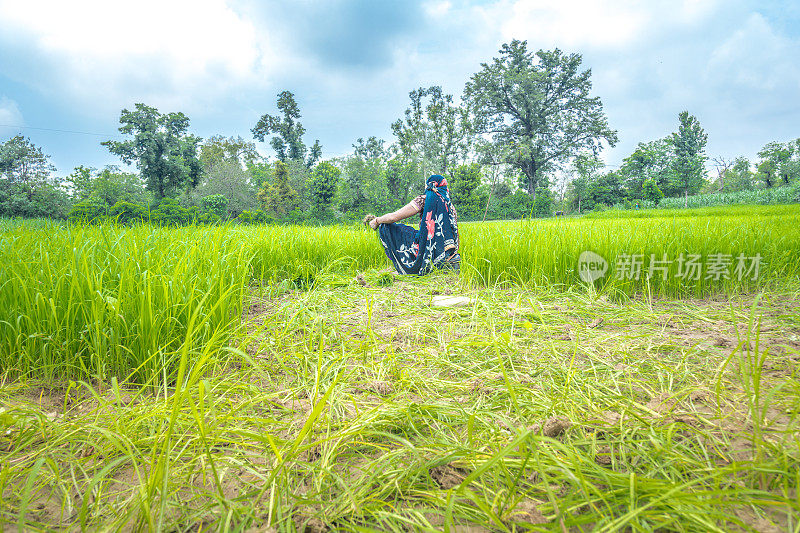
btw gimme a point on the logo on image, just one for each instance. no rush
(591, 266)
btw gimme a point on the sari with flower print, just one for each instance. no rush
(419, 251)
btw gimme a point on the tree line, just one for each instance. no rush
(524, 139)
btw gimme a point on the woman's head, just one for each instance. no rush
(437, 180)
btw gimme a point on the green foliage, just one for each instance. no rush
(161, 148)
(228, 151)
(26, 186)
(247, 217)
(543, 203)
(363, 187)
(739, 177)
(323, 184)
(229, 180)
(779, 163)
(463, 184)
(288, 139)
(651, 192)
(514, 206)
(606, 189)
(24, 164)
(88, 211)
(401, 175)
(214, 204)
(688, 164)
(278, 197)
(649, 161)
(112, 185)
(539, 107)
(170, 213)
(586, 167)
(433, 135)
(773, 196)
(128, 213)
(80, 182)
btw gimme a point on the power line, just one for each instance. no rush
(60, 131)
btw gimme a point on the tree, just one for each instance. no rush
(586, 166)
(363, 184)
(161, 148)
(219, 150)
(606, 189)
(215, 204)
(435, 135)
(651, 160)
(401, 175)
(279, 197)
(27, 186)
(651, 192)
(323, 183)
(288, 139)
(737, 175)
(688, 165)
(543, 203)
(464, 180)
(112, 185)
(226, 178)
(493, 158)
(24, 166)
(776, 162)
(539, 105)
(80, 182)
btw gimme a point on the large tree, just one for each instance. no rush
(539, 105)
(323, 183)
(688, 163)
(363, 186)
(649, 161)
(225, 150)
(776, 162)
(161, 148)
(435, 133)
(288, 133)
(586, 168)
(278, 197)
(24, 165)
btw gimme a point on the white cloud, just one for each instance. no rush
(10, 115)
(580, 23)
(755, 57)
(162, 50)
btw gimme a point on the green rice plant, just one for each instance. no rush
(546, 252)
(97, 302)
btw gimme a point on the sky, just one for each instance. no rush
(67, 69)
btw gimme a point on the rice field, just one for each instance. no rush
(279, 379)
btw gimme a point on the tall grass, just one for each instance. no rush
(96, 302)
(106, 301)
(546, 252)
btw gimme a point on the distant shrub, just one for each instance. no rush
(215, 204)
(88, 211)
(128, 213)
(247, 217)
(170, 213)
(209, 219)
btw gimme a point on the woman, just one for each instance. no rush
(435, 244)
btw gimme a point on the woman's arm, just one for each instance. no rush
(404, 212)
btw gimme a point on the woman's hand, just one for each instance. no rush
(374, 223)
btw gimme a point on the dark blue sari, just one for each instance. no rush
(419, 251)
